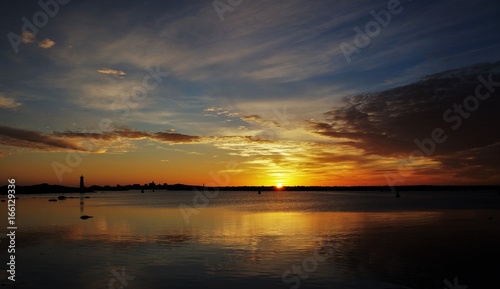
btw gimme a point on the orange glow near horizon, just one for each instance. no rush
(103, 173)
(145, 166)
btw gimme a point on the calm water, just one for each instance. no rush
(245, 240)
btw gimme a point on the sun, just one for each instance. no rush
(279, 185)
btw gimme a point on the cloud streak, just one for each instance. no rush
(112, 72)
(16, 137)
(8, 102)
(46, 43)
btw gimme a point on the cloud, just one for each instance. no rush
(259, 120)
(480, 164)
(112, 72)
(16, 137)
(28, 37)
(175, 137)
(126, 133)
(46, 43)
(8, 102)
(393, 122)
(121, 140)
(219, 111)
(118, 140)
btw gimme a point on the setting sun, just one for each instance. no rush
(279, 185)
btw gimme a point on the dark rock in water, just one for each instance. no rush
(85, 217)
(62, 198)
(52, 200)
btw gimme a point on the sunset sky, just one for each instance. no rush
(258, 93)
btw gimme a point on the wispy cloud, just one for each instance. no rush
(8, 102)
(16, 137)
(112, 72)
(46, 43)
(126, 133)
(28, 37)
(259, 120)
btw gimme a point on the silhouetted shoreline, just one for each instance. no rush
(52, 189)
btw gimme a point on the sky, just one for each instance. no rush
(239, 92)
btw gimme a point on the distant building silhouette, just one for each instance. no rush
(82, 183)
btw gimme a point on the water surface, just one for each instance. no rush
(245, 240)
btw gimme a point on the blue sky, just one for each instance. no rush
(261, 73)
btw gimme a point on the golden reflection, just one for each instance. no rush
(222, 226)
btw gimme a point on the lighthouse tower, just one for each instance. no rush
(82, 184)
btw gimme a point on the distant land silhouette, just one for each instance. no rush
(57, 189)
